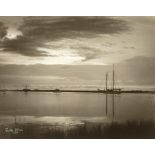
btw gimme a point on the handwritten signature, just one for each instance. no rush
(13, 130)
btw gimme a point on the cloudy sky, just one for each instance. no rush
(79, 48)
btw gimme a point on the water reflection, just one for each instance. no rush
(106, 104)
(113, 105)
(80, 114)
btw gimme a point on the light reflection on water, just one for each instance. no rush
(74, 108)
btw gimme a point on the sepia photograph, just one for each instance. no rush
(77, 77)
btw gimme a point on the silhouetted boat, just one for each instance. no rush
(26, 89)
(4, 91)
(113, 90)
(57, 90)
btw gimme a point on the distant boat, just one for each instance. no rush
(57, 90)
(26, 89)
(4, 91)
(113, 89)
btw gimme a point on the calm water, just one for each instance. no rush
(64, 107)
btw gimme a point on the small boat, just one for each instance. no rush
(100, 90)
(26, 89)
(4, 91)
(57, 90)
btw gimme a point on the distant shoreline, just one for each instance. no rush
(82, 91)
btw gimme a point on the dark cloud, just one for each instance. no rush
(68, 27)
(90, 52)
(36, 31)
(3, 30)
(24, 46)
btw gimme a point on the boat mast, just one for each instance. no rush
(113, 79)
(106, 84)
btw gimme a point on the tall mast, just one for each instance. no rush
(106, 81)
(113, 79)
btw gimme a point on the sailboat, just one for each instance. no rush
(113, 89)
